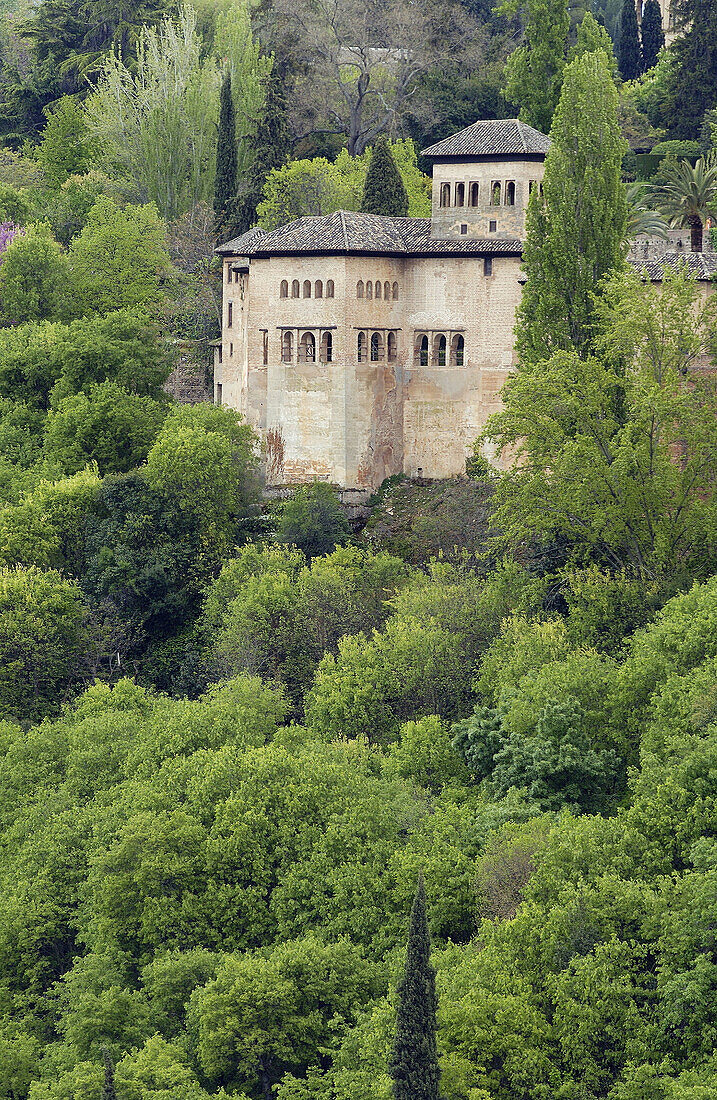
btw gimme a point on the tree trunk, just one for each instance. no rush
(695, 234)
(265, 1079)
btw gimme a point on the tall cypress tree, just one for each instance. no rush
(692, 77)
(629, 57)
(383, 191)
(575, 230)
(414, 1060)
(653, 36)
(225, 182)
(272, 146)
(109, 1091)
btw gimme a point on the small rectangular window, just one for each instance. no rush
(229, 274)
(464, 230)
(231, 350)
(488, 265)
(219, 393)
(230, 314)
(492, 226)
(221, 350)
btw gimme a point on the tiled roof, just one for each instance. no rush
(701, 265)
(497, 137)
(349, 231)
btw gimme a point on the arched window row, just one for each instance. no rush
(385, 291)
(439, 349)
(377, 347)
(295, 289)
(307, 346)
(500, 193)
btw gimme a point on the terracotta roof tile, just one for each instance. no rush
(701, 265)
(352, 232)
(497, 137)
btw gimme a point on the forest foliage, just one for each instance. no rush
(233, 739)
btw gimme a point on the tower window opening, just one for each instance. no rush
(295, 289)
(457, 350)
(376, 347)
(439, 350)
(327, 348)
(510, 193)
(495, 193)
(286, 348)
(460, 194)
(307, 348)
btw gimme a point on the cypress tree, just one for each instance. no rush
(629, 58)
(575, 230)
(109, 1091)
(533, 73)
(272, 146)
(383, 191)
(692, 77)
(414, 1061)
(653, 36)
(225, 182)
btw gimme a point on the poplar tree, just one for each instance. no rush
(629, 58)
(225, 182)
(575, 229)
(383, 191)
(653, 36)
(414, 1061)
(534, 72)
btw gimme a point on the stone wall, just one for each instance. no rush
(356, 420)
(190, 381)
(477, 213)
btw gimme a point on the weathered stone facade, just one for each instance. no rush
(360, 346)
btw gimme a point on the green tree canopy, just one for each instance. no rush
(383, 191)
(575, 229)
(119, 260)
(33, 278)
(534, 71)
(597, 435)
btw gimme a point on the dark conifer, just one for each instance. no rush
(414, 1060)
(692, 76)
(225, 183)
(629, 58)
(272, 146)
(653, 36)
(383, 191)
(109, 1091)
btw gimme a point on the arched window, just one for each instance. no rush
(420, 351)
(395, 292)
(377, 292)
(392, 347)
(439, 350)
(284, 289)
(295, 289)
(327, 348)
(307, 288)
(457, 351)
(510, 193)
(460, 194)
(376, 347)
(307, 348)
(359, 289)
(445, 194)
(369, 289)
(318, 289)
(286, 348)
(329, 288)
(473, 193)
(387, 291)
(495, 193)
(362, 347)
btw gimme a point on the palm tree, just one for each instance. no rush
(686, 195)
(640, 217)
